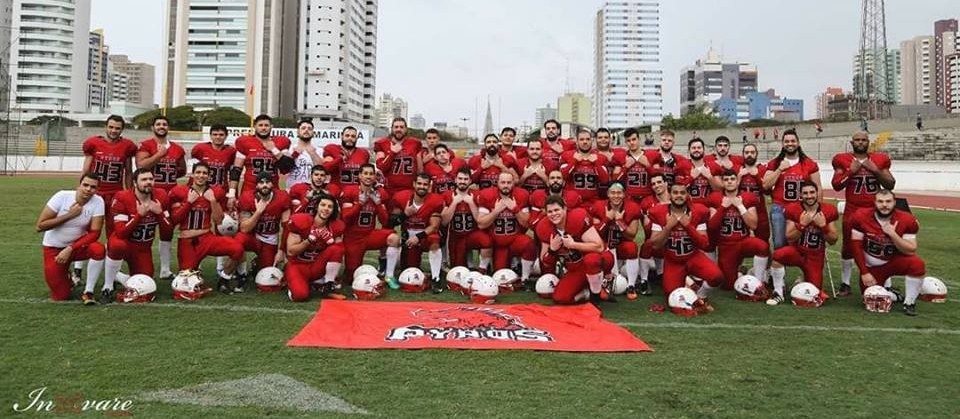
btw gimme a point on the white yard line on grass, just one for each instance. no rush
(652, 325)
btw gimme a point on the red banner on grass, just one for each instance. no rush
(414, 325)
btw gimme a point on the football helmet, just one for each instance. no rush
(412, 280)
(805, 294)
(138, 289)
(484, 290)
(188, 285)
(507, 279)
(619, 285)
(546, 284)
(229, 226)
(364, 269)
(269, 279)
(684, 302)
(933, 290)
(877, 299)
(749, 288)
(456, 278)
(368, 287)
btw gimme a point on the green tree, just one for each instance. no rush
(698, 118)
(40, 120)
(280, 122)
(182, 118)
(230, 117)
(533, 135)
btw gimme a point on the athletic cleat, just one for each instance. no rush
(166, 276)
(392, 283)
(844, 290)
(595, 299)
(241, 283)
(897, 294)
(75, 276)
(631, 292)
(775, 299)
(703, 307)
(436, 286)
(106, 296)
(330, 292)
(223, 285)
(607, 296)
(644, 288)
(910, 309)
(88, 299)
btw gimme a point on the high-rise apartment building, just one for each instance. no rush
(917, 71)
(944, 41)
(575, 108)
(710, 79)
(97, 81)
(131, 82)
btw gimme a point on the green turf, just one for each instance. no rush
(121, 351)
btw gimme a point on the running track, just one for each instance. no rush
(919, 200)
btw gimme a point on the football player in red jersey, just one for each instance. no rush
(507, 137)
(364, 205)
(490, 163)
(432, 138)
(315, 251)
(504, 214)
(397, 157)
(785, 174)
(538, 199)
(584, 170)
(534, 169)
(721, 158)
(810, 227)
(664, 160)
(343, 160)
(885, 244)
(197, 208)
(216, 154)
(680, 229)
(307, 155)
(571, 239)
(443, 169)
(651, 258)
(618, 221)
(304, 196)
(553, 145)
(701, 178)
(460, 216)
(750, 176)
(167, 160)
(257, 153)
(616, 159)
(733, 216)
(138, 213)
(110, 158)
(636, 173)
(860, 174)
(420, 211)
(264, 211)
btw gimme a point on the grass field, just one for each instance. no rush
(742, 361)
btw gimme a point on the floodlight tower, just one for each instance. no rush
(872, 86)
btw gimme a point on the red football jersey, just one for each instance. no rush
(635, 177)
(754, 185)
(877, 246)
(614, 157)
(859, 187)
(399, 169)
(444, 180)
(584, 177)
(552, 152)
(534, 183)
(432, 206)
(462, 222)
(304, 197)
(302, 224)
(732, 228)
(125, 206)
(679, 246)
(167, 170)
(577, 223)
(485, 178)
(268, 225)
(218, 160)
(200, 214)
(698, 187)
(787, 188)
(258, 159)
(517, 152)
(811, 238)
(611, 232)
(362, 218)
(539, 198)
(506, 223)
(647, 204)
(672, 167)
(110, 161)
(345, 167)
(736, 162)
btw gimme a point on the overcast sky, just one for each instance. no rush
(445, 56)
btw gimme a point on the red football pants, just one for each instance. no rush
(266, 253)
(811, 263)
(460, 245)
(698, 265)
(899, 264)
(356, 244)
(415, 254)
(506, 247)
(139, 257)
(730, 255)
(574, 280)
(190, 252)
(299, 274)
(58, 275)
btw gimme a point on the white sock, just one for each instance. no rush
(704, 290)
(888, 283)
(78, 264)
(220, 260)
(393, 255)
(712, 255)
(659, 264)
(122, 278)
(333, 268)
(111, 267)
(535, 269)
(526, 266)
(633, 268)
(913, 290)
(846, 269)
(165, 257)
(778, 283)
(94, 268)
(760, 267)
(471, 265)
(645, 266)
(484, 262)
(436, 262)
(595, 281)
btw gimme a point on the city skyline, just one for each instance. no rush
(425, 52)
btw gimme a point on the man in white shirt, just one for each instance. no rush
(71, 223)
(307, 155)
